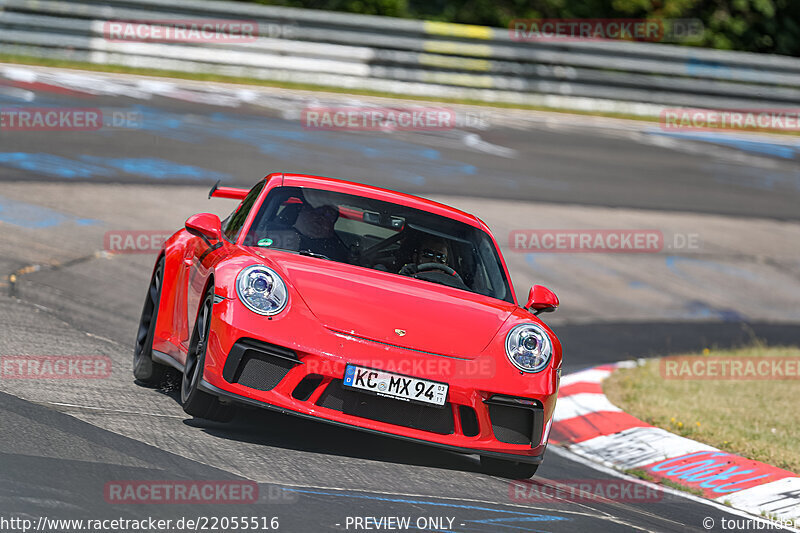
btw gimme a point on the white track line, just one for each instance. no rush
(120, 411)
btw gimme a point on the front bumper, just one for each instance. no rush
(294, 365)
(211, 389)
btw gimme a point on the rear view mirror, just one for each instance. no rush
(541, 300)
(384, 220)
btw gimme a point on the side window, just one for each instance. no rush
(232, 225)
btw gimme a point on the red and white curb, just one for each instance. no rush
(589, 425)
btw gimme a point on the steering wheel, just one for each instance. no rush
(424, 267)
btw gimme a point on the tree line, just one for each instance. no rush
(766, 26)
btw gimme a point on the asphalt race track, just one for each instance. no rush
(60, 192)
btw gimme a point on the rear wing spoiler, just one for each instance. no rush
(227, 192)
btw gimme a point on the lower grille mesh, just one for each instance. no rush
(257, 364)
(388, 410)
(263, 372)
(510, 424)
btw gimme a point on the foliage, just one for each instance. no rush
(771, 26)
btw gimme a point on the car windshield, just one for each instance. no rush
(380, 235)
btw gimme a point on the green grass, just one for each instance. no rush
(641, 474)
(756, 419)
(678, 486)
(24, 60)
(646, 476)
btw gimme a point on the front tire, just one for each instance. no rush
(145, 369)
(508, 469)
(196, 402)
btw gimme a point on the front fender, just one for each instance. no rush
(171, 325)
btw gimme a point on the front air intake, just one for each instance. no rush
(306, 388)
(516, 420)
(258, 365)
(469, 421)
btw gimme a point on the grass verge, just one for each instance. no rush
(757, 419)
(679, 486)
(25, 60)
(643, 474)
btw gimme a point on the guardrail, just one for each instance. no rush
(408, 57)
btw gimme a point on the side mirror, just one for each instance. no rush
(541, 300)
(206, 226)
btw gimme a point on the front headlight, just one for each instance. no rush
(528, 347)
(261, 290)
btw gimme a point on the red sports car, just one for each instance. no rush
(357, 306)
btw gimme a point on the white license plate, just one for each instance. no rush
(395, 386)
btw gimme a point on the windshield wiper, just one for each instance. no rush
(309, 253)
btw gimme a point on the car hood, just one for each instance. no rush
(392, 309)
